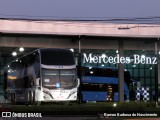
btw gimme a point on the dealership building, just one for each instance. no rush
(127, 47)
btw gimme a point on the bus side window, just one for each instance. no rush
(108, 73)
(28, 82)
(36, 57)
(116, 73)
(31, 80)
(98, 72)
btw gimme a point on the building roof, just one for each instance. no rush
(87, 28)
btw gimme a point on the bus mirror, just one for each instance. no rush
(38, 82)
(78, 82)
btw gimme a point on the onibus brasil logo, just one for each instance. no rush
(14, 114)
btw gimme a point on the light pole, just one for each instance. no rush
(156, 75)
(121, 72)
(79, 70)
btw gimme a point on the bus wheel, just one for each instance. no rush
(29, 98)
(38, 103)
(13, 98)
(33, 98)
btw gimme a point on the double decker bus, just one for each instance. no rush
(101, 84)
(43, 75)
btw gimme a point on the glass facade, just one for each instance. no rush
(3, 61)
(143, 73)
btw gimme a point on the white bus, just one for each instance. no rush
(44, 75)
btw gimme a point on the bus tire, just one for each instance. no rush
(29, 98)
(38, 103)
(13, 98)
(33, 98)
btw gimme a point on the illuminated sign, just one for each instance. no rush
(137, 59)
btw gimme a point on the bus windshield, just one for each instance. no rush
(59, 78)
(56, 57)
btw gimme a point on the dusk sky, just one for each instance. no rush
(79, 9)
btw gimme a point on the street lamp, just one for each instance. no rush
(156, 76)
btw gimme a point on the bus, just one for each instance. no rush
(101, 84)
(44, 75)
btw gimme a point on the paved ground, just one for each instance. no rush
(77, 118)
(53, 118)
(145, 119)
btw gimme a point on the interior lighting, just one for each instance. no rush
(134, 66)
(102, 65)
(14, 53)
(9, 71)
(72, 50)
(90, 67)
(103, 55)
(143, 56)
(117, 51)
(91, 72)
(21, 49)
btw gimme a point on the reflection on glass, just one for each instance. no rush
(64, 78)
